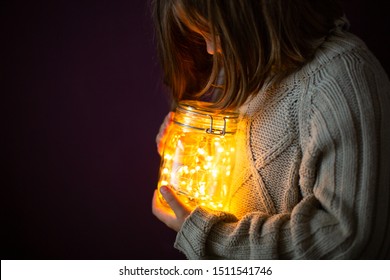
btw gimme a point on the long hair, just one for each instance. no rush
(260, 41)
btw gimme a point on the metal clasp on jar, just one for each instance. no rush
(211, 130)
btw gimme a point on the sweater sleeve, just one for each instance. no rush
(343, 182)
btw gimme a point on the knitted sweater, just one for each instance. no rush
(313, 176)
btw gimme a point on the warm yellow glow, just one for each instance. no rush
(165, 171)
(201, 175)
(198, 165)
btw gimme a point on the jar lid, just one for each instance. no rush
(201, 116)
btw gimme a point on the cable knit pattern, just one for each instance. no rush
(312, 178)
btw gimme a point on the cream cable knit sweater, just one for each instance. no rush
(314, 179)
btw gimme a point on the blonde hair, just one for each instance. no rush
(260, 40)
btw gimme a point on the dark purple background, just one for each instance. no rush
(83, 102)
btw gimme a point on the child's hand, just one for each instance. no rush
(163, 132)
(174, 216)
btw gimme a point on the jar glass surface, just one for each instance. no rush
(199, 154)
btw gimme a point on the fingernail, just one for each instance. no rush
(164, 189)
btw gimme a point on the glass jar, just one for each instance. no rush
(199, 154)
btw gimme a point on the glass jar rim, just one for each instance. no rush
(201, 116)
(204, 108)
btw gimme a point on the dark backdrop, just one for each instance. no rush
(81, 89)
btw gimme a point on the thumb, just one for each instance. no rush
(178, 207)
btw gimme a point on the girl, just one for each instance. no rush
(312, 181)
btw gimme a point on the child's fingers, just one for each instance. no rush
(160, 138)
(174, 202)
(162, 212)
